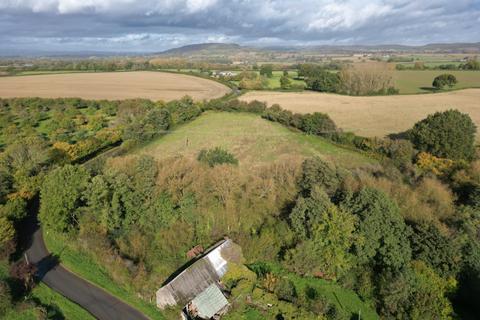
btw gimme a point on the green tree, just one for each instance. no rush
(61, 197)
(266, 70)
(444, 80)
(382, 232)
(98, 196)
(436, 250)
(429, 299)
(327, 233)
(317, 172)
(324, 81)
(318, 124)
(416, 293)
(7, 231)
(449, 134)
(285, 83)
(471, 64)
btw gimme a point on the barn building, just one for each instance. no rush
(197, 286)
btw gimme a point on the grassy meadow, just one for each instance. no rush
(420, 81)
(274, 82)
(253, 140)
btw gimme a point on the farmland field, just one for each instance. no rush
(420, 81)
(112, 86)
(253, 140)
(374, 116)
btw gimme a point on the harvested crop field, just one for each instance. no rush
(112, 86)
(374, 116)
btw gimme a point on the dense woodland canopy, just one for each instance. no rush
(403, 236)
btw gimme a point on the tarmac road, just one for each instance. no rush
(98, 302)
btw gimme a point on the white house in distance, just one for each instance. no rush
(197, 287)
(223, 74)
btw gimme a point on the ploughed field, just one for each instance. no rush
(112, 86)
(374, 116)
(253, 140)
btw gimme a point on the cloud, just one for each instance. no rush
(160, 24)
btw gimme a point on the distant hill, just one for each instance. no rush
(436, 48)
(204, 49)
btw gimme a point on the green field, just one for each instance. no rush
(83, 264)
(420, 81)
(253, 141)
(274, 82)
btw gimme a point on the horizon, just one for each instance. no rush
(132, 26)
(386, 47)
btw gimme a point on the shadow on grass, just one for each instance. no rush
(405, 135)
(430, 89)
(52, 310)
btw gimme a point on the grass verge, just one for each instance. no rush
(85, 266)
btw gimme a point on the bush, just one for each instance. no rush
(5, 299)
(285, 290)
(318, 124)
(449, 134)
(216, 156)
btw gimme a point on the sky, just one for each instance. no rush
(157, 25)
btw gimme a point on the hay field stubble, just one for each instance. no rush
(374, 116)
(112, 86)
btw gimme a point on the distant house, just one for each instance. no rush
(198, 287)
(223, 74)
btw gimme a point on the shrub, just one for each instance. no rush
(216, 156)
(285, 290)
(318, 124)
(5, 298)
(449, 134)
(438, 166)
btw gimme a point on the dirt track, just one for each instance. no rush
(112, 86)
(374, 116)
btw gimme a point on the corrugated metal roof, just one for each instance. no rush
(207, 270)
(210, 302)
